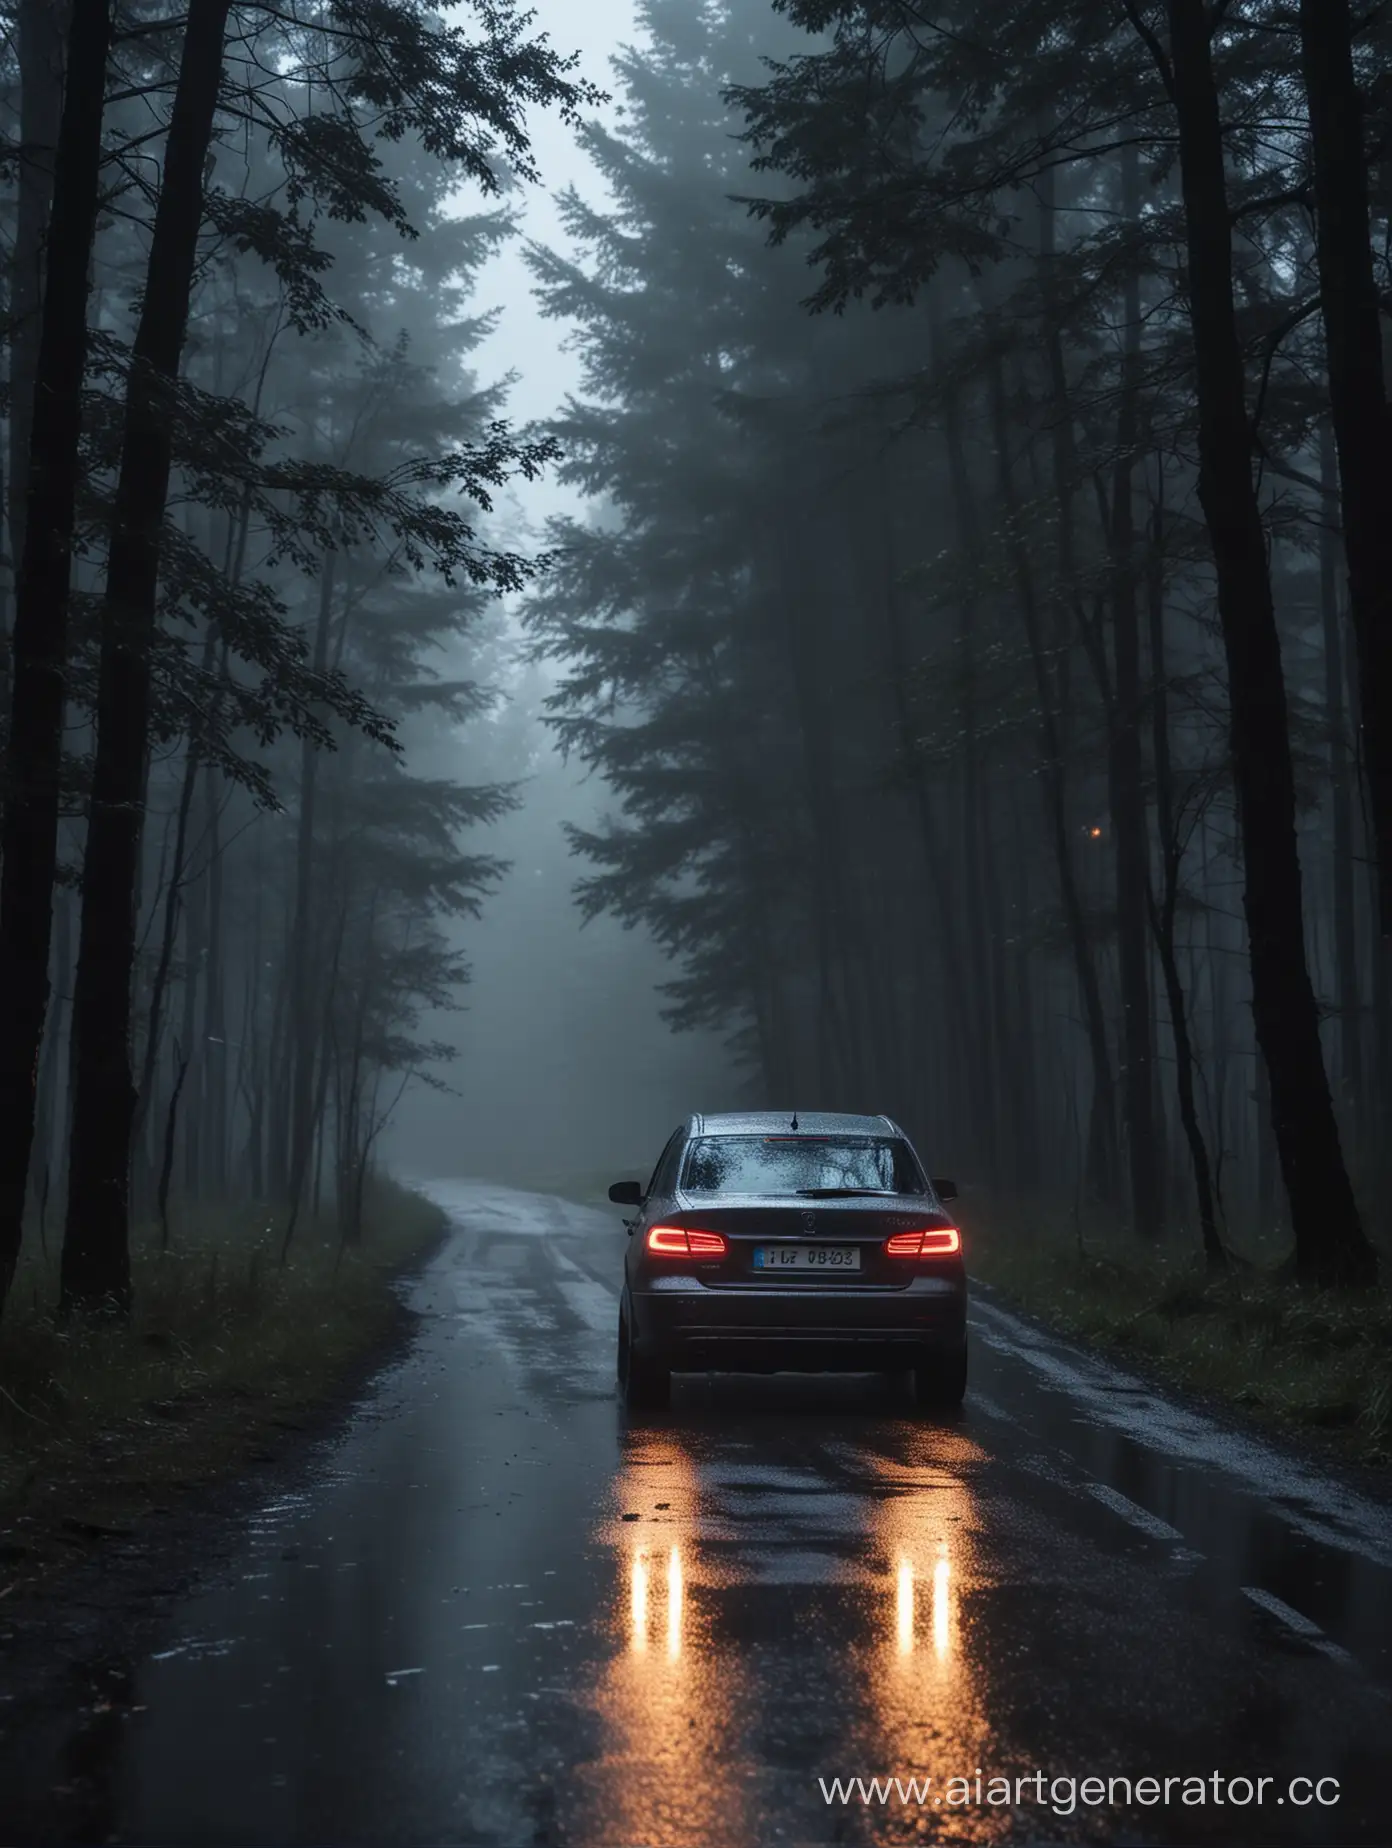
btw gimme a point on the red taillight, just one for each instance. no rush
(678, 1242)
(930, 1242)
(668, 1239)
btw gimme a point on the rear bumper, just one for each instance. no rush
(691, 1328)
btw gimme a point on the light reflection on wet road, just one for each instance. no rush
(502, 1613)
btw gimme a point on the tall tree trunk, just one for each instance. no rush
(302, 1001)
(1266, 1151)
(48, 1137)
(96, 1246)
(275, 1082)
(251, 1084)
(986, 920)
(166, 1164)
(39, 644)
(1102, 1152)
(989, 1027)
(1011, 1008)
(1101, 1141)
(195, 944)
(1028, 1167)
(169, 936)
(1163, 913)
(1381, 999)
(1214, 962)
(42, 28)
(214, 1002)
(943, 931)
(352, 1145)
(326, 1050)
(838, 1048)
(1126, 768)
(1347, 987)
(66, 906)
(1330, 1245)
(1357, 390)
(59, 1033)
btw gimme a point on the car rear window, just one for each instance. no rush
(794, 1164)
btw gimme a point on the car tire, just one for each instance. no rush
(645, 1383)
(940, 1380)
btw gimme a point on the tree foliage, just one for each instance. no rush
(899, 638)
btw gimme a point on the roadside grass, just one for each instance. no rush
(1317, 1363)
(223, 1349)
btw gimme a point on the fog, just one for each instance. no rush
(580, 562)
(760, 509)
(564, 1063)
(564, 1067)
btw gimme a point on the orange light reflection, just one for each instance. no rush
(674, 1604)
(942, 1582)
(926, 1693)
(904, 1608)
(638, 1601)
(667, 1714)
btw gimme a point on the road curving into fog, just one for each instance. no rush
(498, 1611)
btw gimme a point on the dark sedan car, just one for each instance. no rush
(766, 1242)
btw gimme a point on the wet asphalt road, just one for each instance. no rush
(502, 1613)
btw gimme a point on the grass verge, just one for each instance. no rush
(1318, 1364)
(225, 1349)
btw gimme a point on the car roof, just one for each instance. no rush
(780, 1123)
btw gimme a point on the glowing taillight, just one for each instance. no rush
(668, 1239)
(930, 1242)
(678, 1242)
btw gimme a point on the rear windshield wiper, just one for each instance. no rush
(837, 1193)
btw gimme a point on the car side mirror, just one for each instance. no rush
(626, 1193)
(944, 1189)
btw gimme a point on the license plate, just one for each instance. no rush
(807, 1257)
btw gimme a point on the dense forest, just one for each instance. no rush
(248, 466)
(981, 625)
(988, 639)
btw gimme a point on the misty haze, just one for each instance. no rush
(695, 922)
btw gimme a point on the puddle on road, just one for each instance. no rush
(1319, 1550)
(940, 1625)
(455, 1635)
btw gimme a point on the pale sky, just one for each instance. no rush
(524, 342)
